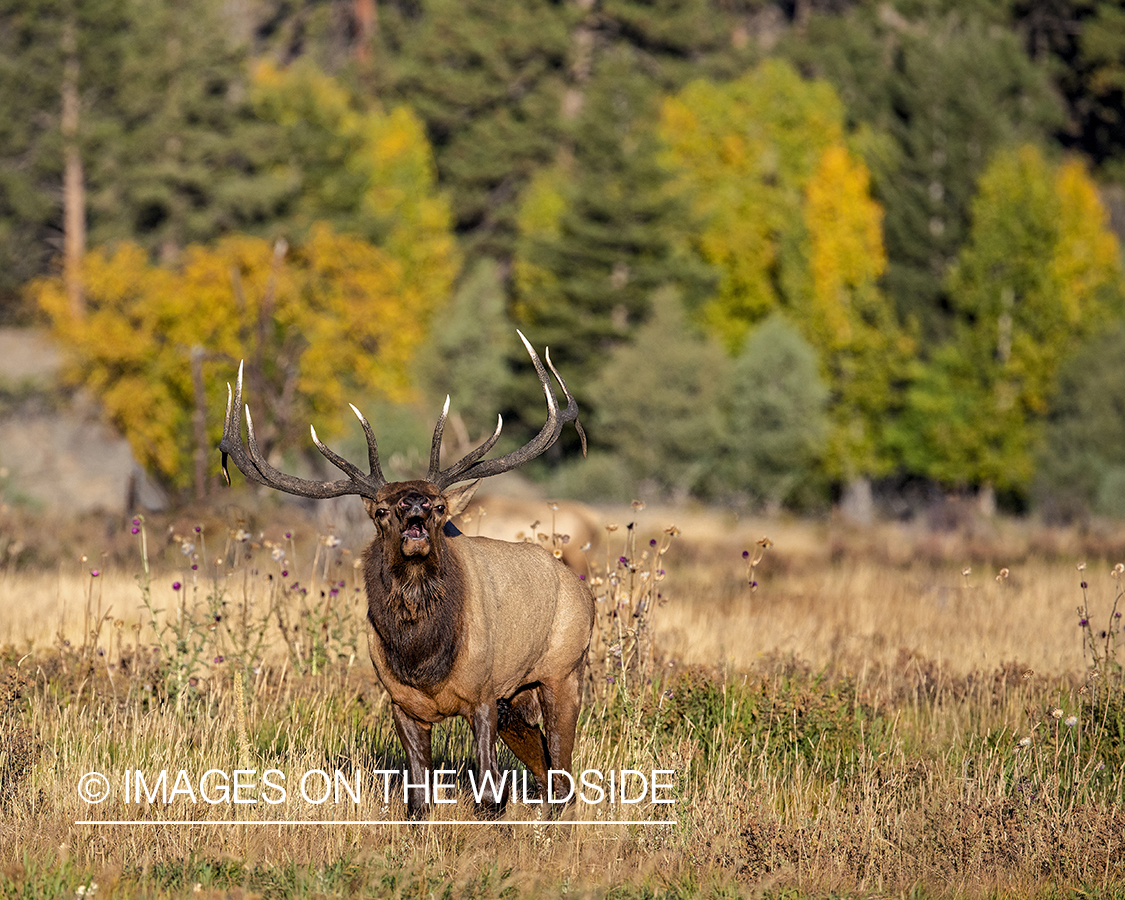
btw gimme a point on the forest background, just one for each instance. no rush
(784, 253)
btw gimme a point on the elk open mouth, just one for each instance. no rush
(415, 539)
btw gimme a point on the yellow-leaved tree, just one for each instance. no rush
(845, 315)
(790, 224)
(364, 170)
(743, 153)
(1040, 274)
(333, 309)
(317, 324)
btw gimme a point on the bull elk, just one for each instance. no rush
(492, 631)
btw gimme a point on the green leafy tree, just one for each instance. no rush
(1080, 462)
(1040, 274)
(778, 417)
(844, 313)
(465, 355)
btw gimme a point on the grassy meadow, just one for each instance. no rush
(890, 711)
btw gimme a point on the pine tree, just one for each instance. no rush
(657, 403)
(604, 231)
(486, 77)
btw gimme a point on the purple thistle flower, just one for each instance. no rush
(652, 543)
(198, 529)
(136, 530)
(137, 521)
(1082, 623)
(95, 573)
(176, 585)
(218, 659)
(745, 554)
(285, 573)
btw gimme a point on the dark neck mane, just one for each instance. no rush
(415, 607)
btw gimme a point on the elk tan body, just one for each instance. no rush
(495, 632)
(518, 597)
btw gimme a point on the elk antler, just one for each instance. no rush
(469, 468)
(253, 465)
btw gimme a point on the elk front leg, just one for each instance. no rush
(415, 739)
(488, 772)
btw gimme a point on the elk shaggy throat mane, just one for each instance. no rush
(415, 607)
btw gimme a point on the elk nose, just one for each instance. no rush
(415, 506)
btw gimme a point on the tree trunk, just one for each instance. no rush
(581, 62)
(199, 422)
(74, 187)
(857, 505)
(365, 14)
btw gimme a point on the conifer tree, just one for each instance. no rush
(603, 231)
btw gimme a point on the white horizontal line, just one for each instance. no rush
(365, 822)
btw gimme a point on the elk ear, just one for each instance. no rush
(456, 499)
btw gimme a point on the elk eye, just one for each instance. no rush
(439, 509)
(382, 512)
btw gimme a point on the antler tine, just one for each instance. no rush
(468, 468)
(451, 475)
(570, 401)
(435, 445)
(252, 463)
(338, 461)
(372, 447)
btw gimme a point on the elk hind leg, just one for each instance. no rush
(516, 719)
(561, 701)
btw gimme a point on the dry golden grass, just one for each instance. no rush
(854, 725)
